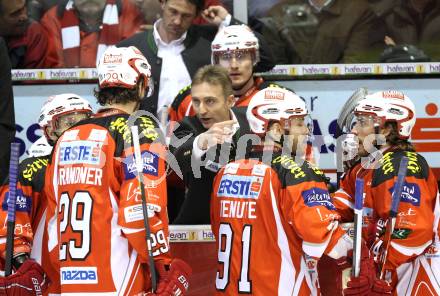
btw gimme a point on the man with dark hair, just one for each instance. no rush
(408, 256)
(31, 254)
(93, 172)
(211, 140)
(27, 43)
(176, 47)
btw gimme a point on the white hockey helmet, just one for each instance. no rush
(273, 104)
(123, 67)
(41, 147)
(390, 106)
(58, 105)
(235, 37)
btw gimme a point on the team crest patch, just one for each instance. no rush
(22, 203)
(410, 193)
(150, 165)
(317, 197)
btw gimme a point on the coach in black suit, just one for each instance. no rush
(211, 138)
(176, 48)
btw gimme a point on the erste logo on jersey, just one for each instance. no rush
(317, 197)
(79, 275)
(240, 186)
(23, 203)
(80, 152)
(150, 164)
(410, 193)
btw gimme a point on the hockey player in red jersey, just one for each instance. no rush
(382, 125)
(272, 216)
(57, 114)
(237, 49)
(99, 220)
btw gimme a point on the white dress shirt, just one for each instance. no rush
(174, 76)
(198, 153)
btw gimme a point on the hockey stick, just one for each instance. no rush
(139, 168)
(357, 240)
(395, 200)
(343, 126)
(12, 198)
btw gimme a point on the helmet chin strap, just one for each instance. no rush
(239, 90)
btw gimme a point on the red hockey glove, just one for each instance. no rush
(174, 281)
(380, 288)
(363, 283)
(30, 279)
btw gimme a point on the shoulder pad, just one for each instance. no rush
(181, 95)
(389, 166)
(292, 173)
(119, 129)
(33, 169)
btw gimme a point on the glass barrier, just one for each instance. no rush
(51, 35)
(324, 99)
(346, 31)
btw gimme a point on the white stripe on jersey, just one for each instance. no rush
(52, 225)
(287, 270)
(432, 270)
(407, 275)
(410, 251)
(121, 268)
(344, 201)
(436, 218)
(37, 244)
(188, 109)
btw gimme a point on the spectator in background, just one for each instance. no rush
(28, 46)
(414, 22)
(7, 118)
(199, 20)
(81, 30)
(151, 10)
(176, 48)
(37, 8)
(215, 127)
(318, 31)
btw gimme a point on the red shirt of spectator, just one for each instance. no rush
(77, 48)
(32, 49)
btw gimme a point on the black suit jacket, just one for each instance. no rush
(7, 117)
(199, 175)
(197, 53)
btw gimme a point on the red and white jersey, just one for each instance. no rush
(31, 209)
(417, 224)
(98, 222)
(272, 223)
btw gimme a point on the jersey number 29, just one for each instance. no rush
(79, 206)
